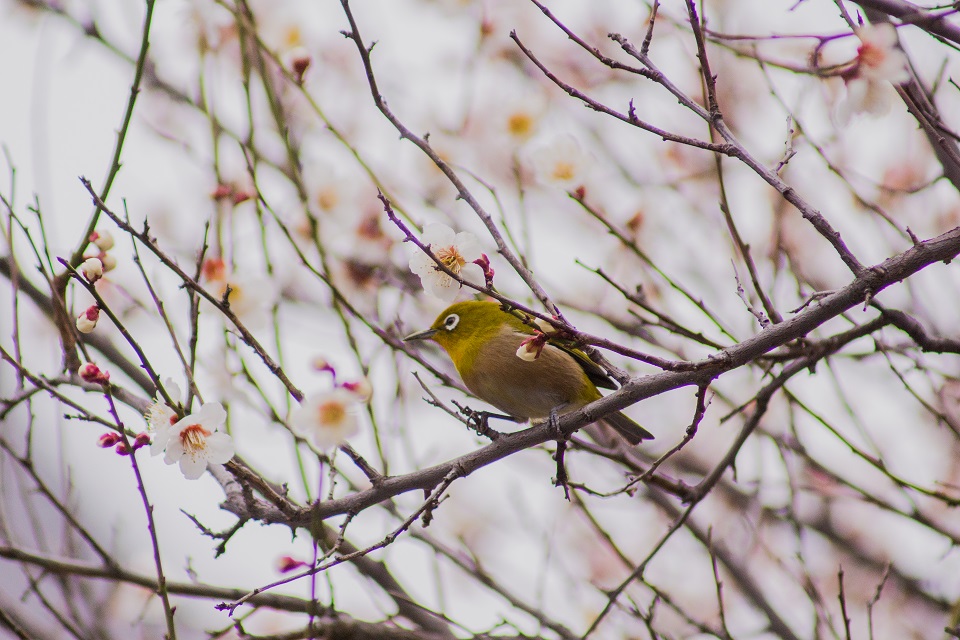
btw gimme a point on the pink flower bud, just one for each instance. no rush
(360, 388)
(299, 62)
(87, 321)
(321, 365)
(122, 449)
(286, 564)
(91, 269)
(109, 262)
(108, 439)
(221, 192)
(90, 372)
(214, 269)
(484, 263)
(103, 240)
(142, 440)
(240, 195)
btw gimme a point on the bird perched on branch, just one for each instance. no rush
(517, 369)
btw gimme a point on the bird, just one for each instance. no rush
(485, 342)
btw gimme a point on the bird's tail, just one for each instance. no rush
(627, 428)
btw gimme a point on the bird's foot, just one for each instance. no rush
(562, 479)
(479, 421)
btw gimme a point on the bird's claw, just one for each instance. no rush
(479, 421)
(562, 479)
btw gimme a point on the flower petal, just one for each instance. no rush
(159, 443)
(437, 234)
(882, 35)
(192, 467)
(220, 447)
(442, 286)
(212, 415)
(473, 273)
(172, 389)
(422, 264)
(174, 450)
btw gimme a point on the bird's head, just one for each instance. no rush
(464, 324)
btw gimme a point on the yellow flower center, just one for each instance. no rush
(450, 257)
(327, 198)
(292, 37)
(194, 438)
(871, 55)
(520, 124)
(236, 296)
(563, 171)
(331, 412)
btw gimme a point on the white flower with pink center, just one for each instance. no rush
(457, 252)
(195, 442)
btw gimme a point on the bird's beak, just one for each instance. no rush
(420, 335)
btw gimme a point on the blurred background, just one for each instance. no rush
(817, 497)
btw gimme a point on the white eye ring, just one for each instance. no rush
(451, 321)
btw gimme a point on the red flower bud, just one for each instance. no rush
(90, 372)
(214, 269)
(142, 440)
(286, 564)
(87, 321)
(484, 263)
(108, 439)
(299, 66)
(240, 195)
(222, 191)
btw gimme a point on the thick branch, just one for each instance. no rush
(867, 285)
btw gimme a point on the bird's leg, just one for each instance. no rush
(562, 480)
(479, 421)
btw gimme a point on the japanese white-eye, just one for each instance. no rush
(483, 342)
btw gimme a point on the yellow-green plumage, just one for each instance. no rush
(482, 341)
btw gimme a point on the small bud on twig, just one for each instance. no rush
(91, 269)
(87, 321)
(90, 372)
(108, 439)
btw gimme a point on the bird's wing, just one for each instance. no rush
(594, 371)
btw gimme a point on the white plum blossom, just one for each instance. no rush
(513, 111)
(457, 252)
(91, 269)
(530, 348)
(194, 441)
(328, 418)
(528, 352)
(878, 55)
(879, 64)
(561, 162)
(160, 417)
(249, 296)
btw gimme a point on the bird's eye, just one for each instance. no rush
(450, 322)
